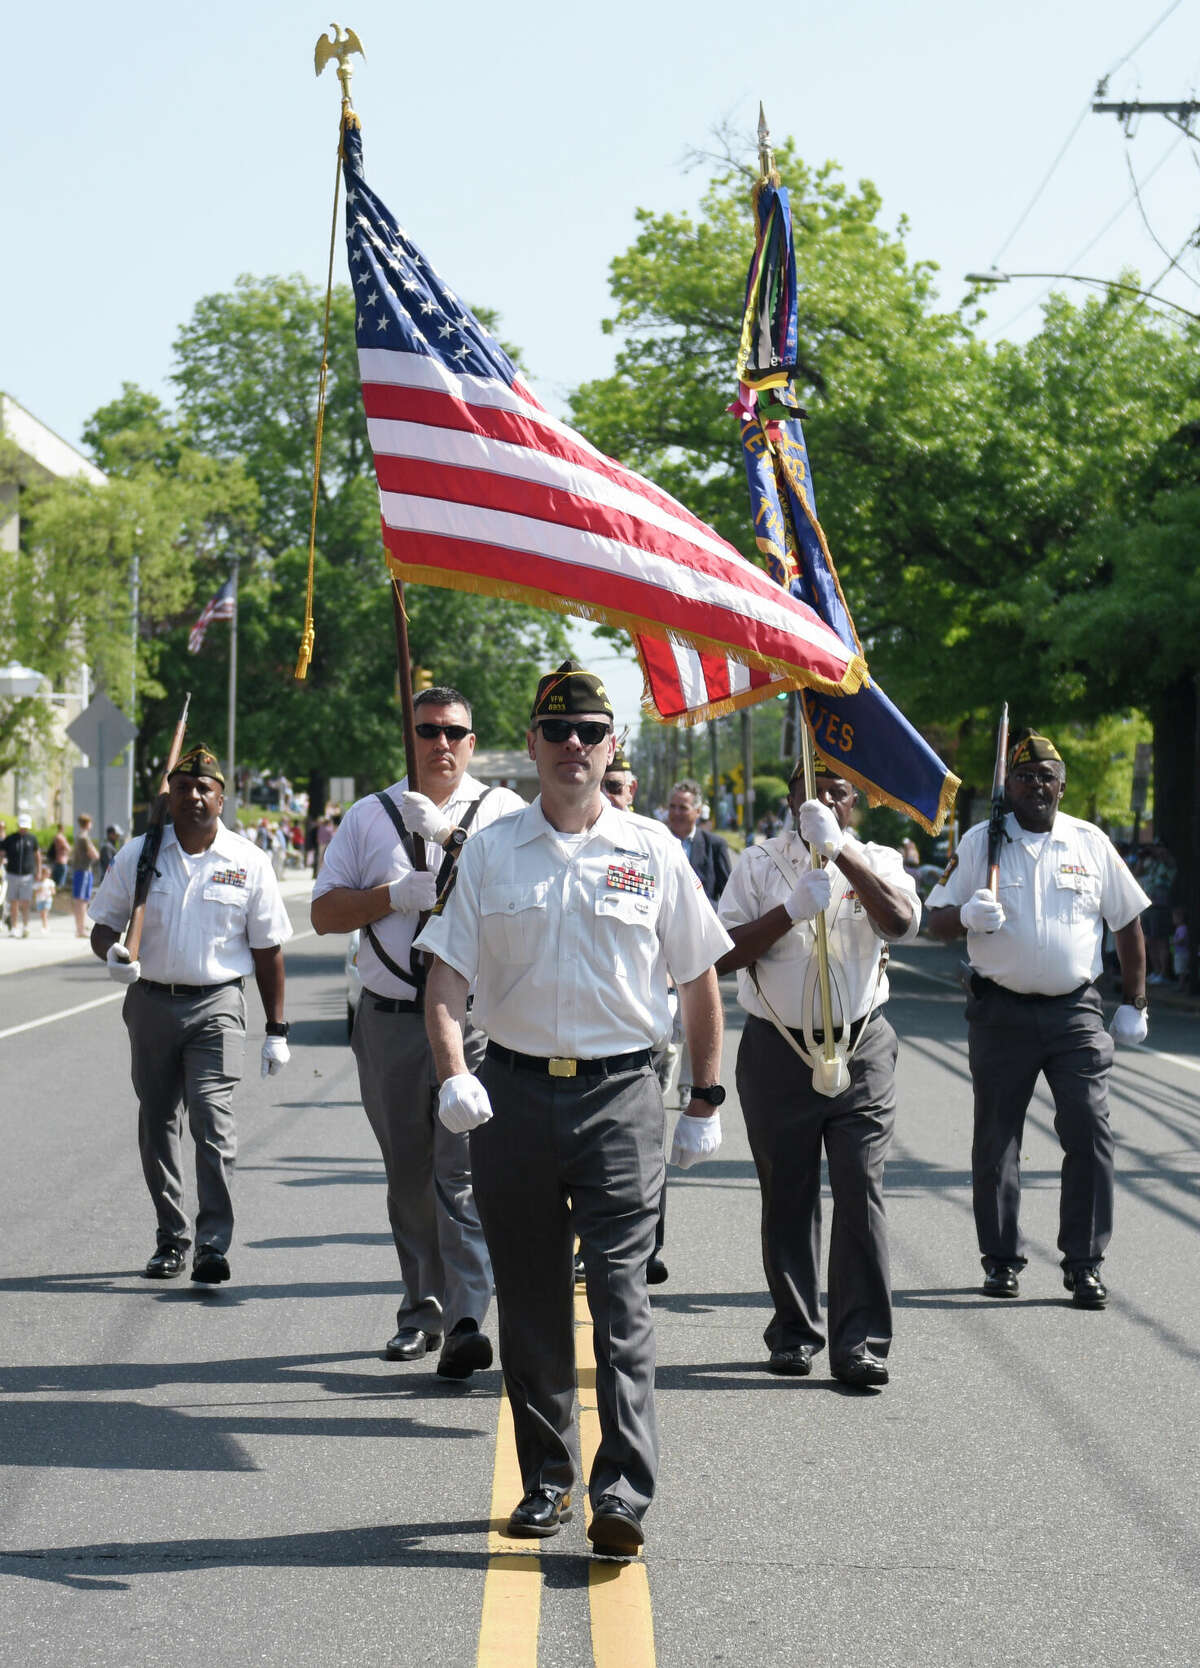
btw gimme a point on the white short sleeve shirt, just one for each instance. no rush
(204, 914)
(569, 945)
(762, 877)
(1057, 890)
(366, 851)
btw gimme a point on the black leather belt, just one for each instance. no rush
(192, 990)
(857, 1027)
(565, 1066)
(395, 1004)
(981, 985)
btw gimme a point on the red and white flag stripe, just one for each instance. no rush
(481, 489)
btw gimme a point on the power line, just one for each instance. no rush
(1101, 89)
(1162, 248)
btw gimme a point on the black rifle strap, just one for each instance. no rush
(416, 975)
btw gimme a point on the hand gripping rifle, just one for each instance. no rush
(148, 857)
(996, 820)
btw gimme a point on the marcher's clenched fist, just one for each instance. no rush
(820, 828)
(982, 912)
(120, 968)
(275, 1055)
(695, 1139)
(463, 1103)
(810, 895)
(421, 816)
(414, 892)
(1129, 1025)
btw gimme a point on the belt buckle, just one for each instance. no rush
(560, 1067)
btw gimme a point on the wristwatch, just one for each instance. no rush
(277, 1028)
(715, 1096)
(455, 840)
(1140, 1003)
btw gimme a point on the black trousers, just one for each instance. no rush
(788, 1124)
(559, 1157)
(1011, 1041)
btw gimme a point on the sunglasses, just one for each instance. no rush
(452, 732)
(589, 732)
(613, 787)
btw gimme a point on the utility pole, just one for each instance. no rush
(1179, 114)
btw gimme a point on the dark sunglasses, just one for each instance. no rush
(613, 787)
(589, 733)
(452, 732)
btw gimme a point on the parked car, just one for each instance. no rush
(353, 982)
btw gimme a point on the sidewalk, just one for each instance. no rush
(59, 943)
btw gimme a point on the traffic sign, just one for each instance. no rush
(102, 730)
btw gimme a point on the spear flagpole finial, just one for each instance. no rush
(344, 43)
(766, 156)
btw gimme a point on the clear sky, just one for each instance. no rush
(152, 153)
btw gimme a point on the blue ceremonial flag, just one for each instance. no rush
(862, 736)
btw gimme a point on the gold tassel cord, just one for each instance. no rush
(309, 634)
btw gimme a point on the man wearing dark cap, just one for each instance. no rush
(620, 784)
(1033, 1008)
(565, 921)
(368, 881)
(769, 908)
(213, 916)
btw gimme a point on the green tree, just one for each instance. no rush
(246, 372)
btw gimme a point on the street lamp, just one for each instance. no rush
(994, 276)
(17, 681)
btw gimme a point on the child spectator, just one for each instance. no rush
(1180, 948)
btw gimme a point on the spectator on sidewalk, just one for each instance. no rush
(23, 866)
(83, 855)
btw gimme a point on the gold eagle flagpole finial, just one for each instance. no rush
(344, 43)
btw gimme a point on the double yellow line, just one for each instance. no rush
(618, 1593)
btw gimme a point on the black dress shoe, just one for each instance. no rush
(580, 1272)
(657, 1271)
(862, 1372)
(1087, 1289)
(166, 1263)
(615, 1528)
(1000, 1280)
(465, 1351)
(539, 1514)
(411, 1343)
(794, 1363)
(209, 1266)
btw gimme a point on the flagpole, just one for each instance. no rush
(231, 801)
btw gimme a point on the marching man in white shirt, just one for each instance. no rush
(769, 905)
(565, 921)
(1035, 952)
(368, 881)
(213, 916)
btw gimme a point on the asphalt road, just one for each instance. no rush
(236, 1476)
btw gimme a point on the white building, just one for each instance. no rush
(44, 790)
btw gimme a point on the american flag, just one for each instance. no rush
(221, 607)
(482, 490)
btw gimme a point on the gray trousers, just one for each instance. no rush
(1010, 1042)
(187, 1052)
(435, 1224)
(788, 1123)
(564, 1156)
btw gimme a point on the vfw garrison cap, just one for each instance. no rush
(620, 761)
(1031, 748)
(200, 761)
(569, 691)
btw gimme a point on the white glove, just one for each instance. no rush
(820, 828)
(422, 816)
(275, 1055)
(463, 1103)
(810, 895)
(982, 912)
(695, 1139)
(414, 892)
(1129, 1025)
(120, 968)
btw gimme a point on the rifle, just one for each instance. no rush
(996, 820)
(148, 857)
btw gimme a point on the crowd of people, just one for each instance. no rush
(31, 877)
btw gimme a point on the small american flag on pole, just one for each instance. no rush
(482, 490)
(220, 607)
